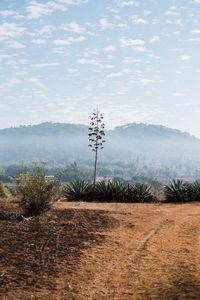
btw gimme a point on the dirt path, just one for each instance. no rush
(154, 253)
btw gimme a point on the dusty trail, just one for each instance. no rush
(153, 254)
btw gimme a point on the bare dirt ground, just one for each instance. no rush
(103, 251)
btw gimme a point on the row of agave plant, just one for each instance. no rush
(179, 191)
(107, 191)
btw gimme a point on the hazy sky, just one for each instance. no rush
(138, 60)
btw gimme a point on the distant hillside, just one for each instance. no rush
(45, 129)
(64, 143)
(143, 131)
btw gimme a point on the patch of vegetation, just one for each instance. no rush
(36, 195)
(107, 191)
(78, 190)
(140, 192)
(177, 191)
(194, 191)
(110, 192)
(4, 192)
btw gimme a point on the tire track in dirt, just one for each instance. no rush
(155, 258)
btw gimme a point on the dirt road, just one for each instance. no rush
(154, 253)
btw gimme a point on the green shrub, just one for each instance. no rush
(140, 192)
(78, 190)
(119, 191)
(177, 191)
(110, 191)
(36, 195)
(4, 192)
(13, 191)
(194, 191)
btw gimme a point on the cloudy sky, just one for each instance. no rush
(137, 59)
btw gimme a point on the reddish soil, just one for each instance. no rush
(33, 254)
(92, 251)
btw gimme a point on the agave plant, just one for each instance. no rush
(78, 190)
(176, 191)
(119, 190)
(103, 191)
(110, 191)
(140, 192)
(194, 191)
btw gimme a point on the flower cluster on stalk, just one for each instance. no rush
(96, 131)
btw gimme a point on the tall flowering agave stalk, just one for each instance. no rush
(96, 135)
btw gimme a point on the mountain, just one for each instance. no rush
(64, 143)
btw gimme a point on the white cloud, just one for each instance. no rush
(35, 9)
(147, 12)
(130, 60)
(178, 94)
(38, 41)
(46, 30)
(186, 57)
(72, 70)
(38, 82)
(139, 49)
(73, 2)
(7, 13)
(85, 61)
(155, 21)
(172, 13)
(59, 50)
(123, 3)
(136, 20)
(130, 42)
(176, 32)
(16, 45)
(194, 40)
(195, 31)
(43, 65)
(146, 81)
(3, 106)
(176, 22)
(155, 39)
(69, 41)
(73, 27)
(13, 81)
(10, 30)
(4, 56)
(109, 48)
(105, 24)
(114, 75)
(22, 73)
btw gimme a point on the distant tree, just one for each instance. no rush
(96, 133)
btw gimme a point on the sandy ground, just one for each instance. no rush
(126, 251)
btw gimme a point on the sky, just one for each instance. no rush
(138, 60)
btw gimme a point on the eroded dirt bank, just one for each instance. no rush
(103, 251)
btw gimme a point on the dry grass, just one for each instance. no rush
(103, 251)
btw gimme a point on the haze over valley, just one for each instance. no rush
(136, 146)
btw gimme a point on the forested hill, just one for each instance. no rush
(133, 130)
(60, 143)
(46, 129)
(143, 131)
